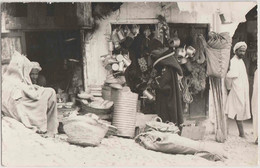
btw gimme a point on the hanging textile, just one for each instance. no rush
(221, 126)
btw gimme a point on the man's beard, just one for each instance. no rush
(240, 56)
(34, 81)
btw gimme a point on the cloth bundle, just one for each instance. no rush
(175, 144)
(217, 50)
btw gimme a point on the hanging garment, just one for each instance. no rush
(32, 105)
(255, 105)
(133, 72)
(221, 125)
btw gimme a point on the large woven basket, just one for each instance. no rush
(85, 131)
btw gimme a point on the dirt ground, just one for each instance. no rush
(22, 147)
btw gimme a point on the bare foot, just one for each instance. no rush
(41, 132)
(48, 135)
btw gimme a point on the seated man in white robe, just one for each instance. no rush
(30, 104)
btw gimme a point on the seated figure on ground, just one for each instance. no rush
(30, 104)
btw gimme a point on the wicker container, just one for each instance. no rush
(85, 131)
(124, 115)
(158, 125)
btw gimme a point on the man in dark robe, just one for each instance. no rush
(168, 96)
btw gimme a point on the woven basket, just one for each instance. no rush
(158, 125)
(85, 131)
(87, 109)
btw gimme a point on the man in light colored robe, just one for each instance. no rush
(30, 104)
(237, 105)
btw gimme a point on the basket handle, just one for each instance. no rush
(170, 123)
(158, 119)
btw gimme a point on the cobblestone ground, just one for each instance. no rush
(22, 147)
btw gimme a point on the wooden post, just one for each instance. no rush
(33, 14)
(85, 47)
(84, 14)
(59, 18)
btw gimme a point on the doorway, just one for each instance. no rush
(59, 55)
(200, 92)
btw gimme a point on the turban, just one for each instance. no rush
(36, 65)
(238, 45)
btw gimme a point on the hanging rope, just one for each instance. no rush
(187, 97)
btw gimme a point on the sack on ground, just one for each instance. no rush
(175, 144)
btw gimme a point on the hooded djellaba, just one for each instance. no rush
(34, 106)
(168, 96)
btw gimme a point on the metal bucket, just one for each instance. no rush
(124, 116)
(121, 35)
(191, 51)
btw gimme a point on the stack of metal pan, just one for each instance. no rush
(124, 116)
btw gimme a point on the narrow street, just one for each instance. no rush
(22, 147)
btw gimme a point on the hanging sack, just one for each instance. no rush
(217, 62)
(217, 51)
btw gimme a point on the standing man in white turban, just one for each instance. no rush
(237, 105)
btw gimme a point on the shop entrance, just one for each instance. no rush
(200, 87)
(59, 54)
